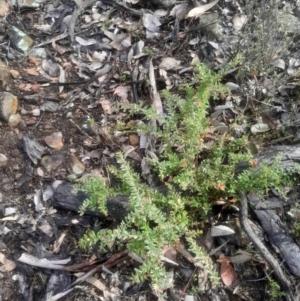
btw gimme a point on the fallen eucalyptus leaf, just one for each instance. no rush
(200, 10)
(259, 128)
(221, 230)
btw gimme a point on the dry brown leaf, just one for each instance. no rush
(25, 87)
(31, 71)
(227, 271)
(122, 91)
(14, 73)
(8, 265)
(4, 8)
(35, 87)
(35, 60)
(106, 106)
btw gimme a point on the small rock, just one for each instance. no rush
(3, 8)
(214, 29)
(32, 99)
(32, 148)
(14, 120)
(40, 172)
(4, 74)
(35, 112)
(134, 139)
(50, 106)
(55, 140)
(47, 162)
(48, 126)
(15, 73)
(20, 39)
(31, 121)
(8, 104)
(3, 160)
(15, 153)
(52, 162)
(76, 166)
(7, 187)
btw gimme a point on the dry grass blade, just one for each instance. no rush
(43, 263)
(156, 97)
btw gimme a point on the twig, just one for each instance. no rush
(269, 258)
(188, 283)
(80, 129)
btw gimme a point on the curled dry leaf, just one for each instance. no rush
(200, 10)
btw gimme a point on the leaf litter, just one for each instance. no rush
(82, 62)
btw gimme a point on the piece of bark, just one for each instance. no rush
(32, 148)
(27, 174)
(65, 197)
(278, 237)
(289, 155)
(277, 232)
(57, 283)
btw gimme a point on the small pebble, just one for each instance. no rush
(3, 160)
(55, 140)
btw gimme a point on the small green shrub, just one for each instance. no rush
(276, 293)
(97, 191)
(197, 169)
